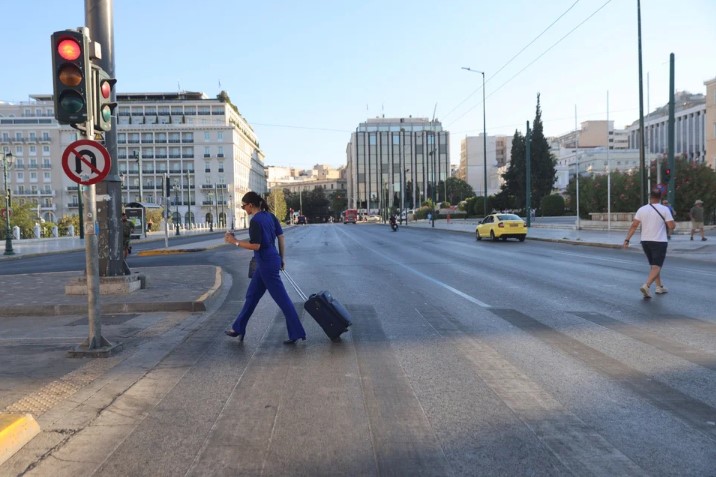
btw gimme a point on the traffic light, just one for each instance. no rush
(103, 104)
(71, 69)
(667, 175)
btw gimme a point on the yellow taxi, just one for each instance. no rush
(501, 226)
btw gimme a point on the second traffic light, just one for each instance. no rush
(103, 104)
(667, 174)
(71, 76)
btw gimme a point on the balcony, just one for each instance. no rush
(73, 188)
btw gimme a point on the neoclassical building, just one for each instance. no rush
(205, 147)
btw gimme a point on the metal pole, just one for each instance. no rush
(528, 175)
(641, 113)
(609, 174)
(188, 193)
(216, 206)
(99, 18)
(176, 209)
(671, 194)
(484, 142)
(8, 233)
(138, 158)
(576, 156)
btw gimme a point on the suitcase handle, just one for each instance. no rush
(295, 286)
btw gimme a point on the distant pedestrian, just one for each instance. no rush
(264, 231)
(666, 204)
(127, 231)
(655, 219)
(697, 219)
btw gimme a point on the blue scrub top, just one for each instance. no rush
(263, 229)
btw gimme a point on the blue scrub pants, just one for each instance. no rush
(267, 277)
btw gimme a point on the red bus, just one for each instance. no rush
(350, 215)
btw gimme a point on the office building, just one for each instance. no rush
(396, 163)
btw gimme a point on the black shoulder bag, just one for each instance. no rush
(668, 232)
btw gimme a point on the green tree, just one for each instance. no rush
(277, 202)
(339, 202)
(512, 192)
(23, 216)
(553, 205)
(542, 162)
(458, 190)
(542, 168)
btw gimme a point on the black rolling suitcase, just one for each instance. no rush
(328, 312)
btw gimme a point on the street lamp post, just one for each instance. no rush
(484, 137)
(176, 208)
(6, 163)
(136, 157)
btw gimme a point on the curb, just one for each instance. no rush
(114, 308)
(151, 253)
(16, 430)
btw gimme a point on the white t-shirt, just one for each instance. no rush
(653, 228)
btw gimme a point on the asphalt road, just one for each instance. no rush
(465, 358)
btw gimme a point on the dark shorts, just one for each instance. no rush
(655, 252)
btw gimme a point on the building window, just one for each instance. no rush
(33, 176)
(33, 149)
(33, 136)
(207, 136)
(220, 136)
(221, 151)
(45, 150)
(21, 177)
(207, 151)
(46, 176)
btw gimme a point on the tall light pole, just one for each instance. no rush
(484, 137)
(136, 157)
(6, 163)
(176, 208)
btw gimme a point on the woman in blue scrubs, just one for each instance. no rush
(264, 229)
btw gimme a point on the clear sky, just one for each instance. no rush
(306, 73)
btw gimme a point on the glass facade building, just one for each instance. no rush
(396, 163)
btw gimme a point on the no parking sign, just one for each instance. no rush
(86, 162)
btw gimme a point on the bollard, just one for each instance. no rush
(55, 232)
(71, 231)
(16, 232)
(37, 231)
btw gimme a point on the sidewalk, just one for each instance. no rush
(678, 245)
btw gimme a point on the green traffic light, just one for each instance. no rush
(71, 101)
(106, 113)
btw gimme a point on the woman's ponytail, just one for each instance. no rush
(256, 200)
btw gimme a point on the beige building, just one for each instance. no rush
(472, 162)
(710, 123)
(598, 133)
(207, 149)
(326, 177)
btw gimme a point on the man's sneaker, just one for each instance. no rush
(645, 291)
(661, 290)
(692, 237)
(703, 239)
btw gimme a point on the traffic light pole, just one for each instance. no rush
(95, 345)
(99, 18)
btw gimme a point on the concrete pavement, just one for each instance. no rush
(39, 323)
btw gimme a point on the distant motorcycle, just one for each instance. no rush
(393, 224)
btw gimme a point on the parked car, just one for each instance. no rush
(301, 220)
(501, 226)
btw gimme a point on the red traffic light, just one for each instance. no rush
(69, 49)
(71, 76)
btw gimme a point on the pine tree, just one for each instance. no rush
(513, 190)
(542, 162)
